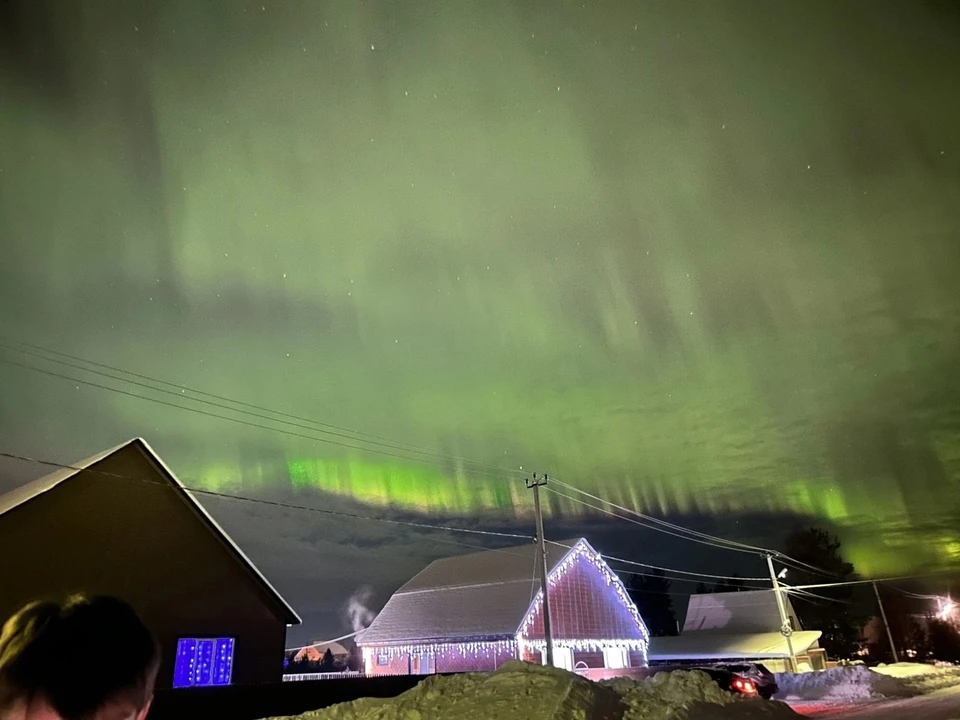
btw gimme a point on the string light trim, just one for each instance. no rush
(587, 645)
(463, 649)
(522, 645)
(581, 550)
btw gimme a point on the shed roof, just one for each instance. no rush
(730, 646)
(316, 652)
(24, 493)
(479, 595)
(747, 611)
(335, 649)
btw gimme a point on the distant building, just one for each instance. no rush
(121, 524)
(476, 612)
(738, 626)
(315, 653)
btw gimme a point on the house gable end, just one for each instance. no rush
(747, 611)
(110, 486)
(587, 602)
(271, 597)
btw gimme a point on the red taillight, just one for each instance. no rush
(745, 686)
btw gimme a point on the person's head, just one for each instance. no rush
(82, 659)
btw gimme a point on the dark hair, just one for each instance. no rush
(78, 655)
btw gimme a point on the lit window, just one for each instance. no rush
(383, 660)
(562, 657)
(421, 664)
(615, 658)
(202, 662)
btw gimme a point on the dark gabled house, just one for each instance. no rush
(120, 523)
(475, 612)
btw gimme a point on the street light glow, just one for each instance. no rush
(947, 606)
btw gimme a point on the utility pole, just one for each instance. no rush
(883, 615)
(785, 628)
(547, 635)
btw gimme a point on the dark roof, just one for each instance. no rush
(480, 595)
(23, 494)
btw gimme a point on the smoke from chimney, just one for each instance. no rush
(358, 608)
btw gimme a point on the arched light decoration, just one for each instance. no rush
(582, 549)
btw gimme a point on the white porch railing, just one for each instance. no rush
(323, 676)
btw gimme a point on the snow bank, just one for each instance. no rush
(683, 695)
(844, 684)
(854, 683)
(673, 691)
(906, 669)
(922, 678)
(516, 690)
(519, 691)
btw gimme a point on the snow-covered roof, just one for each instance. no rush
(747, 611)
(23, 494)
(30, 490)
(479, 595)
(730, 646)
(316, 652)
(335, 649)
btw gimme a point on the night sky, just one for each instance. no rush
(700, 258)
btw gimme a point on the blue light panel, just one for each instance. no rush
(203, 662)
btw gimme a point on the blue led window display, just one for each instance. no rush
(203, 662)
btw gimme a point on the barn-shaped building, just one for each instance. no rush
(120, 523)
(475, 612)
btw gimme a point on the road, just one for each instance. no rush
(940, 705)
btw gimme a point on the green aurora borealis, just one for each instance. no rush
(701, 258)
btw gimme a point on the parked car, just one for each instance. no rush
(730, 681)
(726, 679)
(763, 679)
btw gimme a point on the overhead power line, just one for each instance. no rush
(503, 551)
(631, 572)
(337, 442)
(180, 391)
(628, 570)
(795, 564)
(622, 561)
(685, 572)
(239, 421)
(648, 525)
(807, 595)
(358, 516)
(693, 535)
(336, 435)
(687, 533)
(916, 596)
(491, 533)
(883, 581)
(353, 434)
(274, 503)
(322, 643)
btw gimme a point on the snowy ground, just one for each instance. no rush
(922, 678)
(859, 683)
(531, 692)
(518, 691)
(939, 705)
(887, 692)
